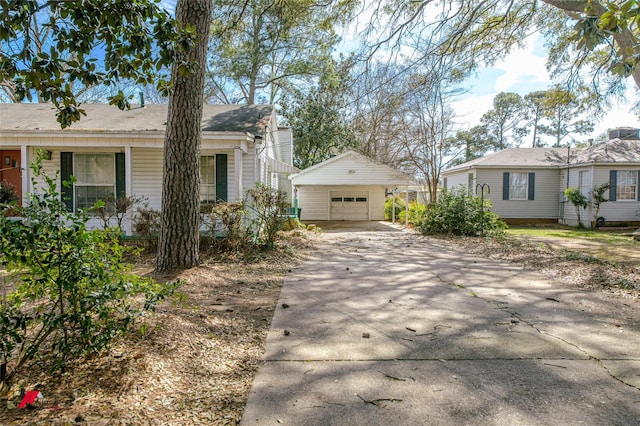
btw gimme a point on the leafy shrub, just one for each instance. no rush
(7, 193)
(389, 207)
(416, 212)
(455, 212)
(597, 196)
(113, 208)
(146, 223)
(268, 207)
(231, 218)
(70, 291)
(578, 199)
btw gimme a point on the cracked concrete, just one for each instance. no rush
(385, 326)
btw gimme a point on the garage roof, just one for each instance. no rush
(351, 168)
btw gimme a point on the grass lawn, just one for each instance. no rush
(612, 246)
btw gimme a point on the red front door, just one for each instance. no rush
(10, 169)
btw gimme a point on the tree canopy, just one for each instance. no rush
(90, 42)
(260, 48)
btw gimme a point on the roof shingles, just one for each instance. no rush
(251, 119)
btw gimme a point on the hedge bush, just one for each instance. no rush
(455, 212)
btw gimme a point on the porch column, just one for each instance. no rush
(406, 208)
(237, 172)
(25, 172)
(128, 169)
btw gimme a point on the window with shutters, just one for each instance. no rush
(208, 179)
(518, 189)
(626, 185)
(95, 178)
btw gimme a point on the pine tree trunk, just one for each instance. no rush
(178, 241)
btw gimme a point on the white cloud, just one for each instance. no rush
(470, 109)
(522, 67)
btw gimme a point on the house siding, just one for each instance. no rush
(355, 171)
(459, 179)
(146, 175)
(545, 204)
(616, 211)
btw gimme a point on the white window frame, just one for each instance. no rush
(627, 185)
(209, 187)
(517, 185)
(89, 178)
(584, 182)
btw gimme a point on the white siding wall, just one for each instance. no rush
(314, 200)
(570, 216)
(249, 163)
(544, 206)
(350, 170)
(457, 179)
(616, 211)
(146, 176)
(285, 145)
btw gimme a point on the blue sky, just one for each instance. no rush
(523, 71)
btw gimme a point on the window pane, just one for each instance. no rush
(86, 196)
(518, 186)
(627, 185)
(585, 182)
(98, 169)
(208, 194)
(208, 169)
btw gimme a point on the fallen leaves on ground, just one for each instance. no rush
(192, 362)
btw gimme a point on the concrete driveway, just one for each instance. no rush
(386, 327)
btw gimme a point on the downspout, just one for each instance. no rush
(406, 208)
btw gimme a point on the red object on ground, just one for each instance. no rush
(29, 398)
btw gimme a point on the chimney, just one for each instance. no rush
(141, 100)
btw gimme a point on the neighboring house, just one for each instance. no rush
(527, 184)
(349, 186)
(110, 151)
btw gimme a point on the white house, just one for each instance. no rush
(527, 184)
(349, 186)
(110, 151)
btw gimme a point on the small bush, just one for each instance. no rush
(416, 212)
(115, 209)
(70, 292)
(267, 206)
(8, 193)
(456, 212)
(230, 218)
(389, 207)
(579, 201)
(146, 223)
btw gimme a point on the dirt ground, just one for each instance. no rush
(193, 362)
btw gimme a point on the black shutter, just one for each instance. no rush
(638, 186)
(532, 186)
(505, 186)
(121, 182)
(221, 177)
(66, 171)
(613, 183)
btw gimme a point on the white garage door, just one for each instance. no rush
(351, 205)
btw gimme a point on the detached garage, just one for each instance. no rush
(349, 186)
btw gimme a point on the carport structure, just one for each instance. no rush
(349, 186)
